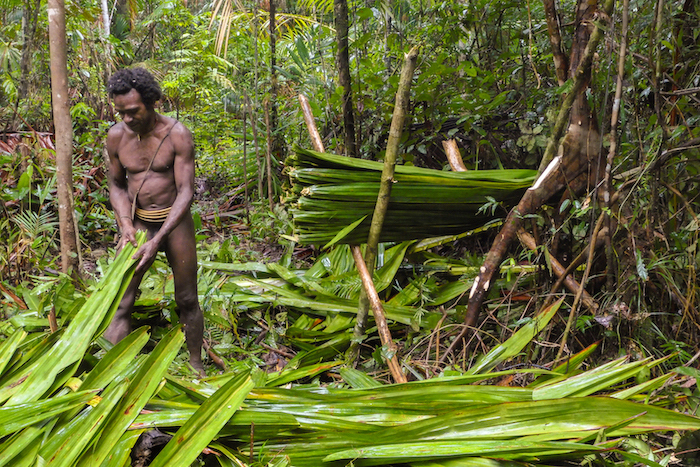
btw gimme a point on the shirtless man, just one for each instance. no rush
(151, 186)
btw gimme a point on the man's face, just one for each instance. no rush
(134, 112)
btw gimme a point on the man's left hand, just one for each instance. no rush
(146, 254)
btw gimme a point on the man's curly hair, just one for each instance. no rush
(127, 79)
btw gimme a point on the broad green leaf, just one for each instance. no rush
(589, 382)
(141, 388)
(17, 416)
(566, 369)
(21, 441)
(8, 347)
(116, 360)
(203, 426)
(510, 449)
(121, 452)
(81, 330)
(516, 342)
(358, 379)
(344, 232)
(83, 432)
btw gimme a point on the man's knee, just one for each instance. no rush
(187, 302)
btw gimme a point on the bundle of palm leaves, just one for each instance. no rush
(330, 193)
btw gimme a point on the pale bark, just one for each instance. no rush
(454, 158)
(105, 18)
(316, 141)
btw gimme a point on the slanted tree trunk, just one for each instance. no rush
(343, 63)
(64, 135)
(576, 164)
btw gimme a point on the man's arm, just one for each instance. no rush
(118, 188)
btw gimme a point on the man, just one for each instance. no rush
(151, 186)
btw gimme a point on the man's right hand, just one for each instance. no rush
(128, 236)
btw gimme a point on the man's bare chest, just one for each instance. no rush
(137, 156)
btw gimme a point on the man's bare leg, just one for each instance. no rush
(181, 251)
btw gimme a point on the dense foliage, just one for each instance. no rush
(485, 77)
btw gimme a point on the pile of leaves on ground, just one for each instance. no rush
(70, 399)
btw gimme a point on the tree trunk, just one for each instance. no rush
(276, 146)
(64, 135)
(576, 166)
(105, 18)
(31, 15)
(561, 63)
(256, 102)
(343, 63)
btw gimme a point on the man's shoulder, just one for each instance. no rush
(116, 131)
(179, 133)
(115, 135)
(178, 128)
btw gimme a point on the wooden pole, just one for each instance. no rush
(454, 158)
(316, 140)
(379, 317)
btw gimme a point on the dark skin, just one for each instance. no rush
(131, 145)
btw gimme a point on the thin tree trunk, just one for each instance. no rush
(344, 78)
(387, 179)
(607, 185)
(105, 18)
(561, 63)
(64, 135)
(31, 15)
(276, 146)
(268, 157)
(245, 157)
(261, 170)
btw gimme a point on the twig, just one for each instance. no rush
(214, 357)
(567, 280)
(278, 351)
(577, 298)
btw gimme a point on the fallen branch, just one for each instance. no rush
(379, 317)
(214, 357)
